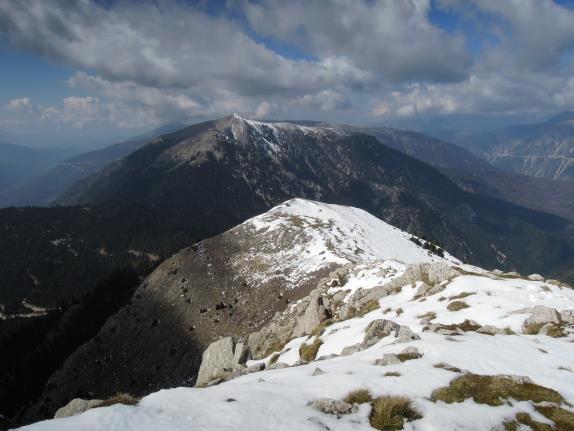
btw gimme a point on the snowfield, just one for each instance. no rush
(279, 399)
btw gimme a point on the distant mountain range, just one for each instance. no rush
(544, 150)
(19, 164)
(41, 188)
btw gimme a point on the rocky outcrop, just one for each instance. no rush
(434, 277)
(75, 407)
(220, 360)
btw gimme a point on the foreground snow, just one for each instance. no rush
(278, 399)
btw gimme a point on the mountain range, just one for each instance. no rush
(543, 150)
(177, 189)
(41, 188)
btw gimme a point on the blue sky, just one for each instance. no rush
(105, 69)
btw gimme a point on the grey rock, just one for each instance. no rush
(542, 315)
(411, 349)
(349, 350)
(218, 360)
(553, 282)
(490, 330)
(388, 359)
(241, 354)
(333, 407)
(405, 334)
(535, 277)
(316, 312)
(378, 329)
(75, 407)
(318, 372)
(300, 362)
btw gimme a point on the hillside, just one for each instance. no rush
(452, 346)
(242, 167)
(230, 284)
(543, 150)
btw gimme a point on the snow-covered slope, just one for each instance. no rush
(449, 323)
(301, 237)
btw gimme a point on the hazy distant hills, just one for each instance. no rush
(41, 188)
(20, 163)
(541, 150)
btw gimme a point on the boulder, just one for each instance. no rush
(220, 360)
(378, 329)
(405, 334)
(317, 311)
(388, 359)
(349, 350)
(333, 407)
(535, 277)
(542, 315)
(490, 330)
(553, 282)
(241, 354)
(75, 407)
(410, 349)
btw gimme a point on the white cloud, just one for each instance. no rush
(394, 39)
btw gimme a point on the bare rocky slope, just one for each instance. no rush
(231, 284)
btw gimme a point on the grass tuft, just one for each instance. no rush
(359, 396)
(392, 374)
(391, 412)
(308, 352)
(493, 390)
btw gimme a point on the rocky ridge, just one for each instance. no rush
(514, 333)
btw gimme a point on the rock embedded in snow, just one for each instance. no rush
(219, 360)
(349, 350)
(333, 407)
(535, 277)
(490, 330)
(75, 407)
(541, 315)
(388, 359)
(318, 372)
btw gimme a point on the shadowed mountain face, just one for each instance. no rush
(242, 167)
(540, 150)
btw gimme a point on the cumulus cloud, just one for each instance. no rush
(143, 63)
(394, 39)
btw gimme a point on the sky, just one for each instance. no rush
(81, 72)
